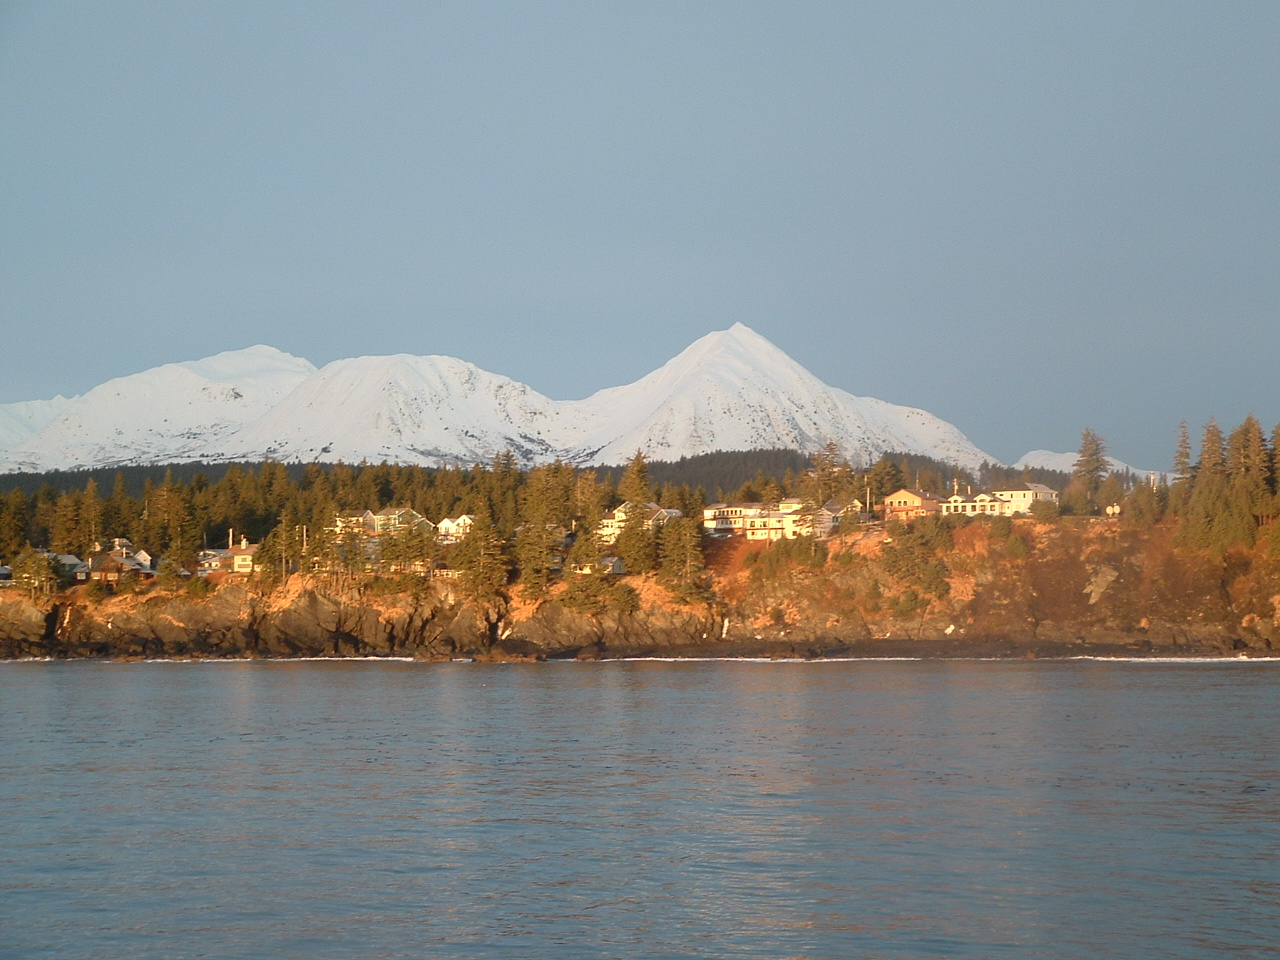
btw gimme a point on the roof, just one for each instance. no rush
(917, 493)
(1024, 485)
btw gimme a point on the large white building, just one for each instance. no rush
(1009, 501)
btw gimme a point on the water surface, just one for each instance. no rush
(717, 809)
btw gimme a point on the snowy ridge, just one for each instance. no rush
(1066, 462)
(403, 409)
(730, 390)
(168, 413)
(734, 390)
(21, 420)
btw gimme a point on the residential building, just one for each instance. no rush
(907, 504)
(112, 568)
(1011, 500)
(241, 559)
(729, 519)
(605, 566)
(655, 518)
(453, 529)
(1020, 496)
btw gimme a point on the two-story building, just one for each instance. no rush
(1011, 500)
(453, 529)
(655, 518)
(907, 504)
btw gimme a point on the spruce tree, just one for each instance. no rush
(682, 561)
(1182, 455)
(1091, 466)
(634, 486)
(1249, 466)
(484, 572)
(13, 526)
(1212, 455)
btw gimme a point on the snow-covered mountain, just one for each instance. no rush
(1066, 462)
(425, 410)
(20, 420)
(731, 390)
(734, 390)
(166, 414)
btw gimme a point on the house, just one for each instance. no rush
(345, 525)
(389, 520)
(209, 561)
(1010, 501)
(112, 568)
(394, 520)
(241, 559)
(453, 529)
(605, 566)
(729, 519)
(1020, 496)
(907, 504)
(655, 518)
(68, 566)
(983, 504)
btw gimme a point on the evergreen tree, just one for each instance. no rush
(1212, 455)
(635, 486)
(35, 573)
(884, 478)
(90, 520)
(635, 544)
(544, 511)
(484, 572)
(13, 525)
(1091, 466)
(65, 535)
(1182, 470)
(1249, 466)
(682, 561)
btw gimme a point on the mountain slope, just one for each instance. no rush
(1066, 462)
(18, 421)
(404, 409)
(167, 413)
(734, 390)
(730, 390)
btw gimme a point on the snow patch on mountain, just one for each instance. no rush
(168, 413)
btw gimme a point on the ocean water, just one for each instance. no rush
(709, 809)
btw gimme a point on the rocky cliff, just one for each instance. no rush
(981, 590)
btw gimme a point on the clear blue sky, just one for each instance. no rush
(1025, 218)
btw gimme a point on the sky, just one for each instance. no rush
(1027, 219)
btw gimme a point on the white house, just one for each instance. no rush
(453, 529)
(655, 518)
(1011, 500)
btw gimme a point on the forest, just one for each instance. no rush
(1222, 496)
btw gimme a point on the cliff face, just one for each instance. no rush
(986, 591)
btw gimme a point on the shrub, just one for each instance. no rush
(1045, 511)
(597, 594)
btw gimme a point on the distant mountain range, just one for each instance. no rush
(1066, 462)
(730, 390)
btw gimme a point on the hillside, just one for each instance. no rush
(1073, 587)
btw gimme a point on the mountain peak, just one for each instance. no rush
(729, 390)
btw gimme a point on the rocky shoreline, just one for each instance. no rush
(238, 622)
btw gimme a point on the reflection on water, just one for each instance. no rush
(639, 809)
